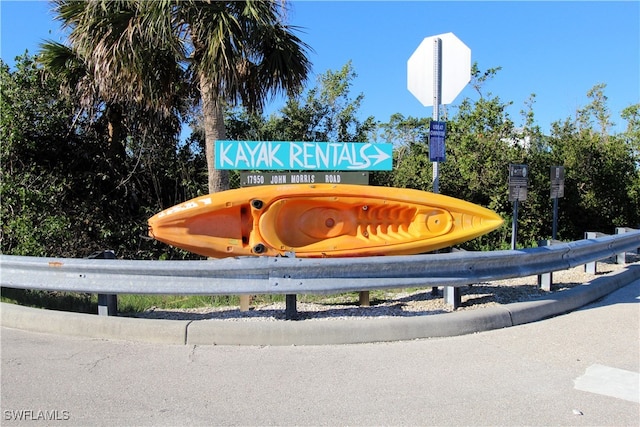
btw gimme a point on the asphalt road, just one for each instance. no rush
(576, 369)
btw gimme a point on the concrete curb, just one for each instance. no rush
(571, 299)
(345, 331)
(312, 332)
(93, 326)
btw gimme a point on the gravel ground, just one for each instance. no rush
(396, 302)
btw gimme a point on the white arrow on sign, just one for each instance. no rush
(380, 157)
(456, 69)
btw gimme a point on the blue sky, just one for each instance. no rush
(557, 50)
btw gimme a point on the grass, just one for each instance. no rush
(127, 303)
(65, 301)
(88, 303)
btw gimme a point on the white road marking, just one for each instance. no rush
(609, 381)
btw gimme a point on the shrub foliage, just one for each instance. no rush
(66, 192)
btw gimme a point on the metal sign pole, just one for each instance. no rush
(557, 191)
(518, 183)
(514, 228)
(554, 231)
(437, 94)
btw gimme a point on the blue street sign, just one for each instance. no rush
(437, 135)
(322, 156)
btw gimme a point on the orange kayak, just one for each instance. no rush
(320, 220)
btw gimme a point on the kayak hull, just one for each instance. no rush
(320, 220)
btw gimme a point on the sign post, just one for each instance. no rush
(518, 183)
(438, 56)
(557, 191)
(435, 57)
(437, 95)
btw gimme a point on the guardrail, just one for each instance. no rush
(545, 280)
(291, 276)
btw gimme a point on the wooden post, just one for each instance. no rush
(245, 302)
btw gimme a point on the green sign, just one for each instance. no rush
(251, 179)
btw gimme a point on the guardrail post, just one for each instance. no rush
(545, 280)
(107, 303)
(591, 267)
(291, 310)
(452, 296)
(621, 258)
(629, 230)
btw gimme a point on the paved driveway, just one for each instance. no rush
(577, 369)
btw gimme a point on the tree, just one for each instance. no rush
(403, 132)
(481, 141)
(327, 112)
(59, 195)
(137, 135)
(410, 137)
(108, 75)
(33, 131)
(596, 110)
(602, 173)
(632, 134)
(227, 52)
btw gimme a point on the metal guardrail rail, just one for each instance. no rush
(265, 275)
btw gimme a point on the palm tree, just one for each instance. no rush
(228, 53)
(77, 85)
(111, 70)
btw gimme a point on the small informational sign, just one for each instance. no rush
(437, 136)
(252, 179)
(320, 156)
(518, 182)
(557, 182)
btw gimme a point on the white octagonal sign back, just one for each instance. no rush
(456, 69)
